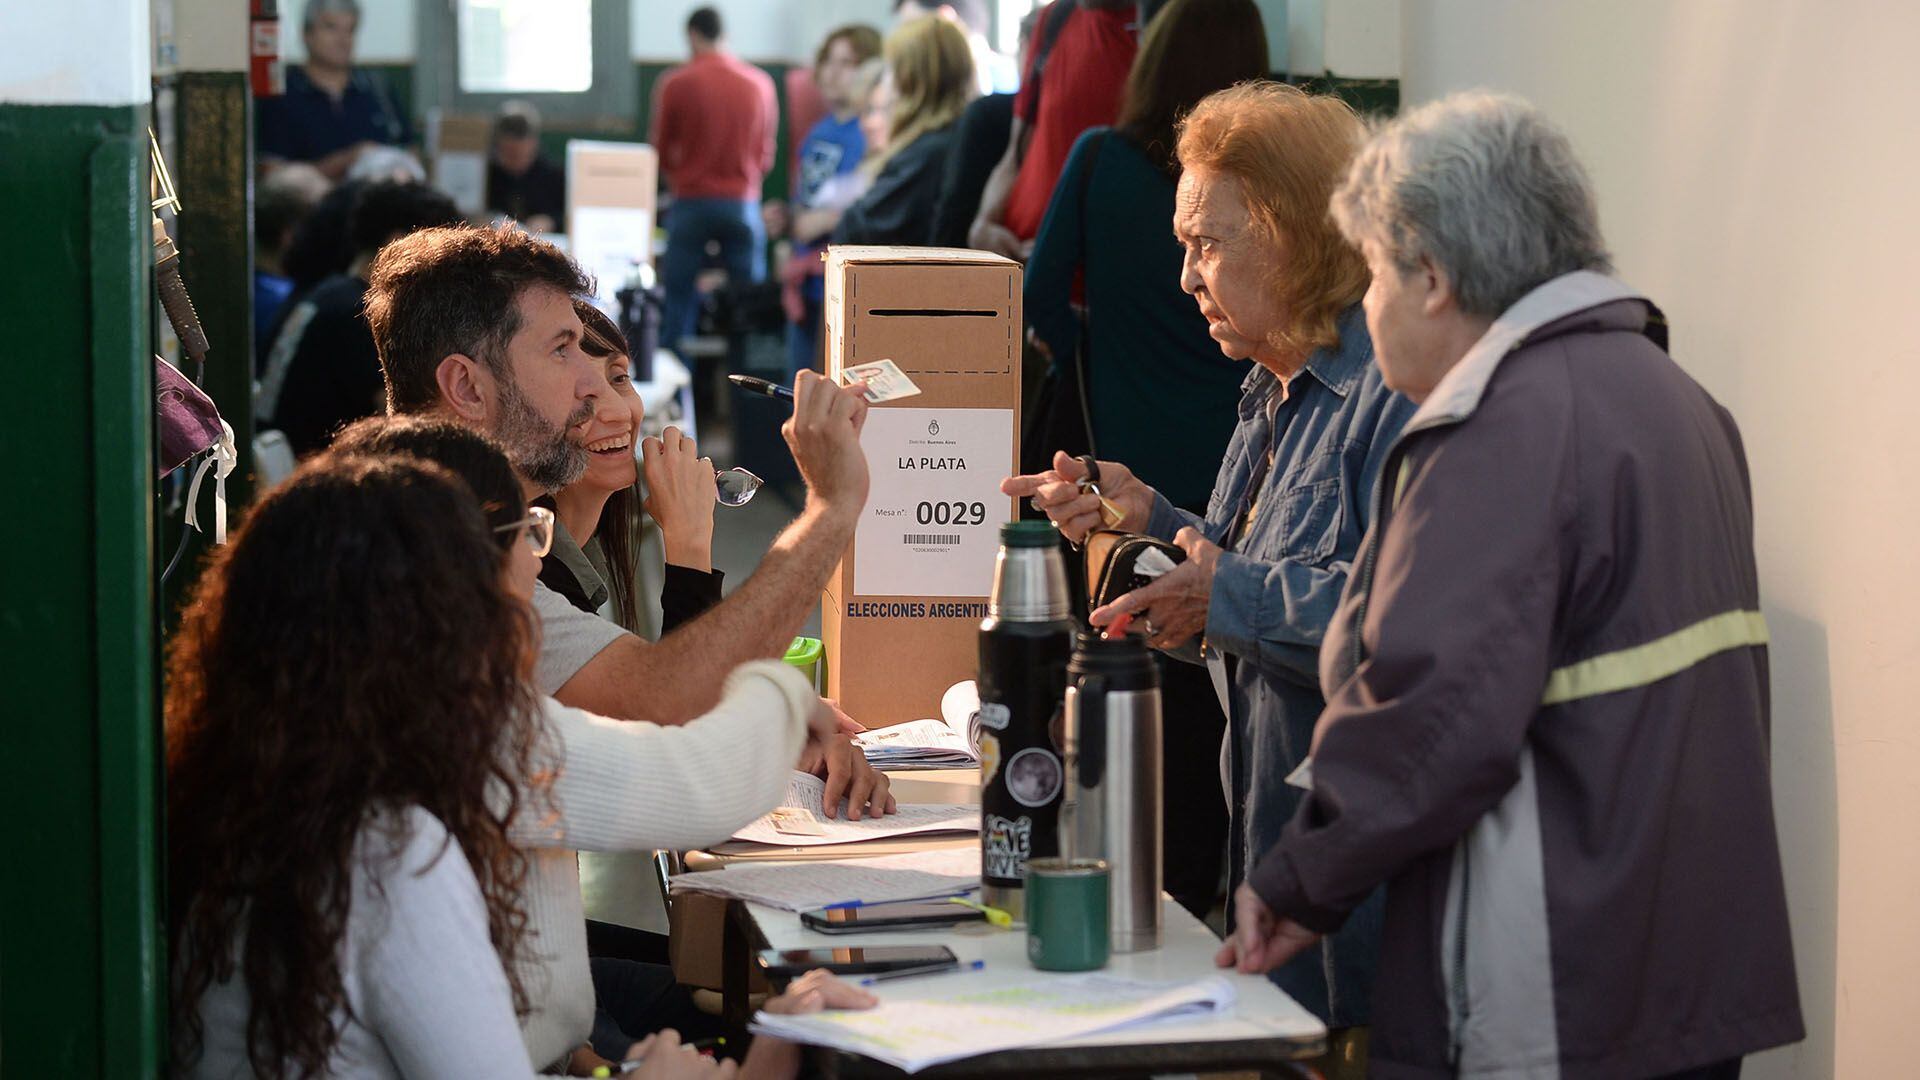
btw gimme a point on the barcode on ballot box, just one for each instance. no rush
(931, 539)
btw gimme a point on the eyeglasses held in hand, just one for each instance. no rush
(736, 486)
(538, 526)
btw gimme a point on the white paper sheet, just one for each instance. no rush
(804, 886)
(932, 522)
(800, 820)
(923, 1023)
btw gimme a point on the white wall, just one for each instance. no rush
(1306, 34)
(1755, 163)
(77, 52)
(1360, 39)
(770, 30)
(208, 35)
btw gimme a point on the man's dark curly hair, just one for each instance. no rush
(351, 653)
(457, 289)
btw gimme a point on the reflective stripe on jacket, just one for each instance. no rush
(1548, 721)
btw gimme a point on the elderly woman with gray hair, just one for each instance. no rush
(1547, 723)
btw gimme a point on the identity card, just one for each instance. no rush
(885, 381)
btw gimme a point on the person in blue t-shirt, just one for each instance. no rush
(826, 183)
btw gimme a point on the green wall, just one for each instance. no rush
(79, 749)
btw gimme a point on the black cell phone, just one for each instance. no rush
(905, 915)
(783, 964)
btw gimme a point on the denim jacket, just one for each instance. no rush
(1274, 593)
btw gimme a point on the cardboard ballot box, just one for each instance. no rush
(901, 615)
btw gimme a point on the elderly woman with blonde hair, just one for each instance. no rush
(1266, 564)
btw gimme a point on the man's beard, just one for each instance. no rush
(541, 451)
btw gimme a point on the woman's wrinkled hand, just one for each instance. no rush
(1057, 494)
(1171, 608)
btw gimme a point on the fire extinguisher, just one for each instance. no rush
(265, 75)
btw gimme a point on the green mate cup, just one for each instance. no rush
(1067, 922)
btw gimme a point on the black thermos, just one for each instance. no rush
(1024, 645)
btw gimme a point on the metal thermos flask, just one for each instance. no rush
(1024, 644)
(1111, 809)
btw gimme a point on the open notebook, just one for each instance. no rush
(950, 741)
(922, 1023)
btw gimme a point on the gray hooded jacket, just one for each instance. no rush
(1547, 720)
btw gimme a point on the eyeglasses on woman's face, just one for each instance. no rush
(537, 527)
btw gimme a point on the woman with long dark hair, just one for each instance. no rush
(618, 787)
(348, 725)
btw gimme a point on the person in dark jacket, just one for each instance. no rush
(521, 182)
(322, 371)
(930, 75)
(1547, 716)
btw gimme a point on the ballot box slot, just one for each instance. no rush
(934, 313)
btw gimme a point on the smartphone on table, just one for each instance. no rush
(905, 915)
(784, 964)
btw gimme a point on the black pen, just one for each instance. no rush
(761, 386)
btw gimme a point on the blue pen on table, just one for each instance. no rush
(761, 386)
(929, 969)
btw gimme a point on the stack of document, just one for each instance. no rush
(805, 886)
(801, 821)
(928, 1022)
(952, 741)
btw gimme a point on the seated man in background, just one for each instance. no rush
(322, 371)
(280, 203)
(521, 182)
(330, 113)
(478, 326)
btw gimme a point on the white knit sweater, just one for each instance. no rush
(426, 989)
(631, 786)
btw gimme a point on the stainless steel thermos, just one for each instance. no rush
(1024, 644)
(1111, 809)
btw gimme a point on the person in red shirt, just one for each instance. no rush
(714, 122)
(1074, 78)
